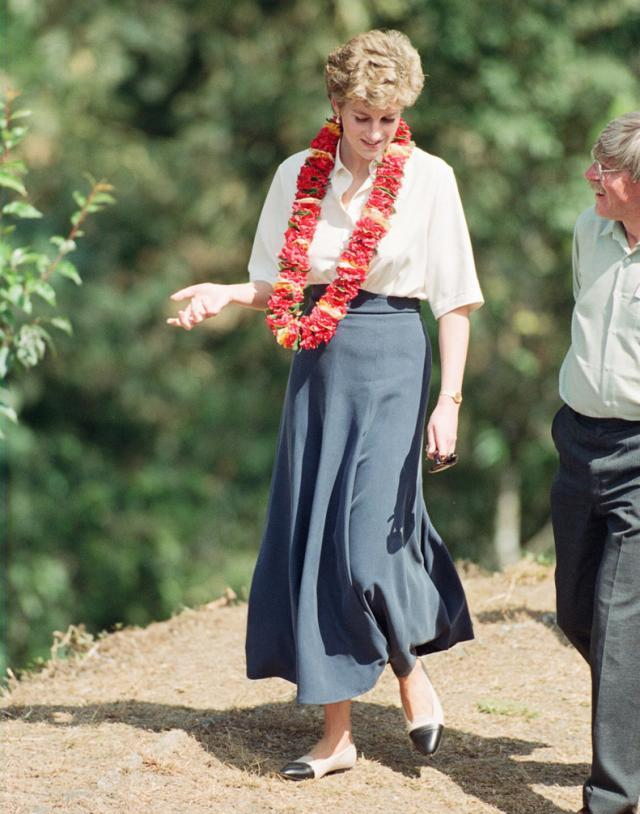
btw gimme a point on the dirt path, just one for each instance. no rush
(163, 720)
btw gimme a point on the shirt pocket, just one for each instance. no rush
(625, 334)
(630, 309)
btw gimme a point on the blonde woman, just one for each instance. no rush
(351, 574)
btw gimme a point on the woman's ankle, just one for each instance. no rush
(332, 744)
(337, 725)
(416, 693)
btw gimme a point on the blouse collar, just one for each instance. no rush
(341, 176)
(339, 165)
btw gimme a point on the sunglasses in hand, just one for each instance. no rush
(439, 464)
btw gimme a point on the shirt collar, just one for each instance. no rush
(339, 167)
(617, 232)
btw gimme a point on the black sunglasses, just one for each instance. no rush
(440, 464)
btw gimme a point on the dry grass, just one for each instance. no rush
(163, 720)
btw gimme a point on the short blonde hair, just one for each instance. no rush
(380, 68)
(619, 143)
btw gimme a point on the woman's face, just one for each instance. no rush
(366, 131)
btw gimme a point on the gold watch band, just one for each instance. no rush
(455, 395)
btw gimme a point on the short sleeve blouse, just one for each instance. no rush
(425, 254)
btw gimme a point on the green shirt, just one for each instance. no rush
(600, 375)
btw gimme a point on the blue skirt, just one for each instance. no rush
(351, 574)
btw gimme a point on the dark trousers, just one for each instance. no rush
(595, 505)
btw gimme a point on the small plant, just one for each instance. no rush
(507, 708)
(28, 277)
(75, 641)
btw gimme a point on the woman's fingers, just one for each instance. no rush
(184, 293)
(205, 302)
(198, 308)
(185, 319)
(441, 435)
(194, 313)
(432, 446)
(445, 444)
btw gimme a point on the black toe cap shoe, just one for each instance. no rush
(426, 739)
(297, 771)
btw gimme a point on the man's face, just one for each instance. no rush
(617, 195)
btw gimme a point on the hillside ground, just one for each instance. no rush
(162, 720)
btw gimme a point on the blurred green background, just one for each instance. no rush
(137, 479)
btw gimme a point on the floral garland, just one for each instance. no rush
(291, 328)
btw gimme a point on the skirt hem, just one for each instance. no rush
(424, 649)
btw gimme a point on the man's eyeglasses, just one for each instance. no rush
(602, 171)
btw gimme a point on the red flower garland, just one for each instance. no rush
(291, 328)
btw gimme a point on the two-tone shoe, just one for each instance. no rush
(425, 731)
(310, 768)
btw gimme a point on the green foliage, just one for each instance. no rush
(27, 274)
(139, 473)
(507, 708)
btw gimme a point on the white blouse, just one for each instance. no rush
(425, 254)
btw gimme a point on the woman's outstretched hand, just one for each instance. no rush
(207, 300)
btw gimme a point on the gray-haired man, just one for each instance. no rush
(595, 497)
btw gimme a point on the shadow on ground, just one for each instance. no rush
(514, 615)
(258, 740)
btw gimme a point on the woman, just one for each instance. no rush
(351, 574)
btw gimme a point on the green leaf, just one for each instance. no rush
(21, 209)
(20, 114)
(26, 304)
(9, 182)
(64, 245)
(9, 413)
(15, 166)
(103, 198)
(67, 269)
(16, 257)
(63, 324)
(79, 199)
(4, 361)
(31, 345)
(13, 293)
(16, 133)
(45, 291)
(43, 261)
(20, 256)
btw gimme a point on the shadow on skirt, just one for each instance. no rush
(351, 574)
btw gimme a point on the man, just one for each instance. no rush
(595, 497)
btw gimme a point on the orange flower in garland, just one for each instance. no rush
(290, 326)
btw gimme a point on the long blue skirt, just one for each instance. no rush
(351, 574)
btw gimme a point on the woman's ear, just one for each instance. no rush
(335, 106)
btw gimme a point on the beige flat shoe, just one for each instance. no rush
(426, 731)
(308, 768)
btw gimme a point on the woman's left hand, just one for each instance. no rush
(442, 429)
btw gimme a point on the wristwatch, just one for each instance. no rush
(456, 396)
